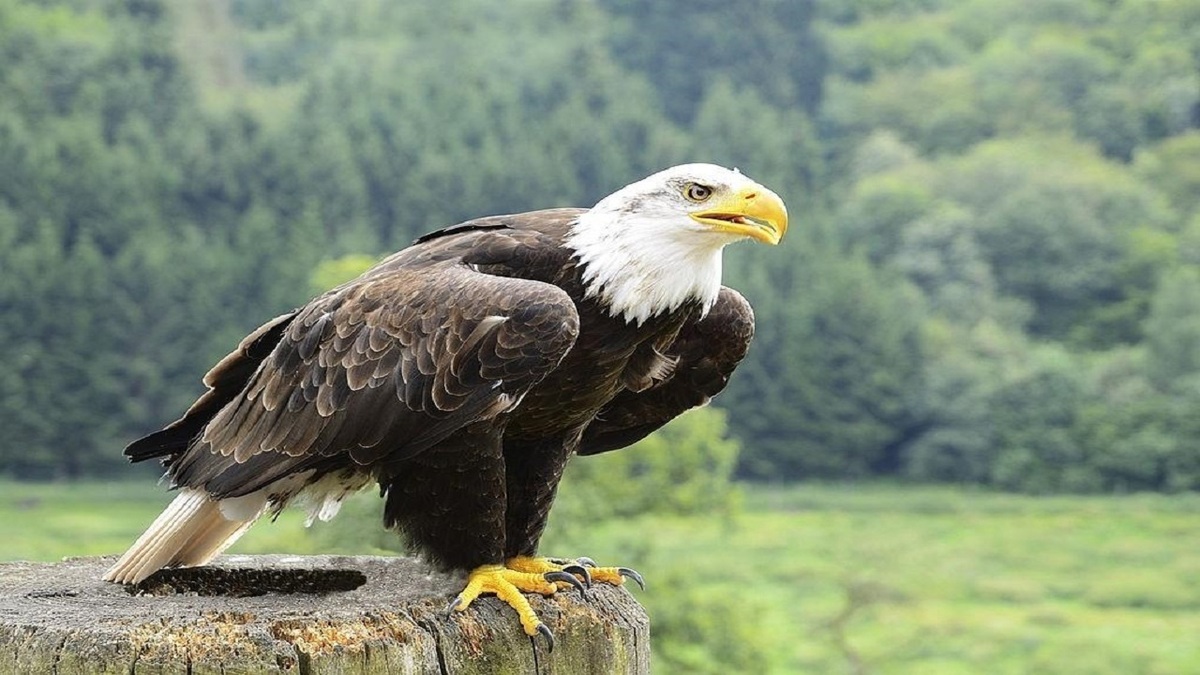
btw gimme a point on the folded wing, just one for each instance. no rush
(373, 372)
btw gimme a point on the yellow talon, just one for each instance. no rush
(507, 585)
(583, 567)
(535, 575)
(609, 575)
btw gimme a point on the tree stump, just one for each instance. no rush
(300, 614)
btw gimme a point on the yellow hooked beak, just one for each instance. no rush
(753, 211)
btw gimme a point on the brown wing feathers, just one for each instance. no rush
(381, 370)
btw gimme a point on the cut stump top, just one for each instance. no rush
(299, 614)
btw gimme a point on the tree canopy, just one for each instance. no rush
(992, 274)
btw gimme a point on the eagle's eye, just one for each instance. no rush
(697, 192)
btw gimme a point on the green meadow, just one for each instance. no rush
(815, 578)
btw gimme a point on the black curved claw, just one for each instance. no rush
(453, 605)
(632, 574)
(586, 562)
(579, 570)
(568, 578)
(544, 631)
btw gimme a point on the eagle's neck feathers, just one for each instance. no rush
(638, 268)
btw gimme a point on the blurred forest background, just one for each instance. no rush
(991, 279)
(993, 275)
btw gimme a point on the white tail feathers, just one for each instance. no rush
(192, 530)
(195, 527)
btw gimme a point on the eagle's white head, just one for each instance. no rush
(653, 245)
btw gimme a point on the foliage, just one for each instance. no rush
(333, 272)
(696, 630)
(995, 224)
(828, 391)
(685, 468)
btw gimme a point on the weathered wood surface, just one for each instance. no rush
(299, 614)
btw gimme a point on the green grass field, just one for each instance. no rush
(825, 579)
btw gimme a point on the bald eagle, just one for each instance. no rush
(461, 373)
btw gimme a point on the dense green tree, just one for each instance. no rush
(1066, 243)
(940, 254)
(684, 51)
(686, 468)
(1035, 417)
(957, 442)
(828, 393)
(1173, 167)
(1173, 333)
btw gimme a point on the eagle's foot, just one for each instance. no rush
(609, 575)
(568, 573)
(617, 576)
(507, 584)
